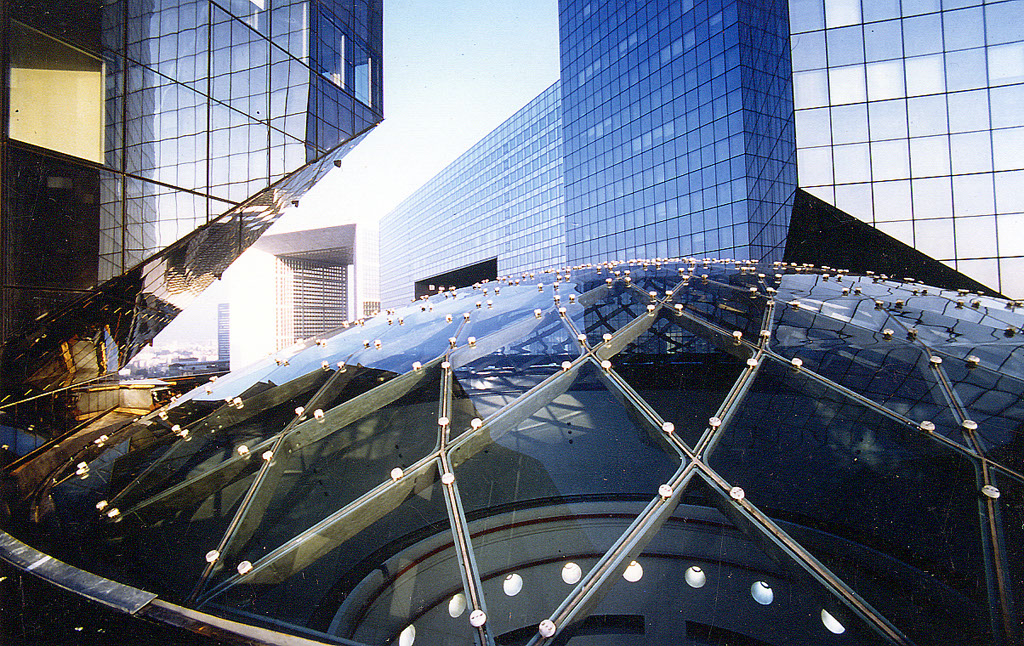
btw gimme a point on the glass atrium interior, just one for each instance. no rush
(653, 452)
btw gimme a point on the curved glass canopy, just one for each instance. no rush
(652, 452)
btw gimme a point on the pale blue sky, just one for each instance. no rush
(453, 71)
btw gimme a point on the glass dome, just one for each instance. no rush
(652, 452)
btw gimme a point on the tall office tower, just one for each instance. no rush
(678, 128)
(498, 208)
(224, 332)
(908, 117)
(147, 143)
(682, 137)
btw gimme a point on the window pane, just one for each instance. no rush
(1009, 197)
(921, 35)
(846, 84)
(890, 159)
(929, 156)
(814, 166)
(972, 195)
(845, 46)
(892, 200)
(839, 13)
(965, 70)
(971, 152)
(964, 28)
(934, 238)
(808, 51)
(976, 237)
(1006, 64)
(813, 128)
(881, 9)
(925, 75)
(810, 89)
(883, 40)
(933, 198)
(1006, 102)
(69, 120)
(1010, 227)
(852, 163)
(1008, 149)
(927, 115)
(888, 119)
(1003, 21)
(885, 80)
(968, 111)
(850, 124)
(805, 15)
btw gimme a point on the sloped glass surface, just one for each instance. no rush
(325, 464)
(705, 573)
(872, 363)
(575, 457)
(334, 523)
(683, 370)
(393, 568)
(511, 360)
(993, 401)
(889, 510)
(611, 310)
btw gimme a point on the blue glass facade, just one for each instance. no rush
(505, 195)
(678, 129)
(689, 125)
(909, 118)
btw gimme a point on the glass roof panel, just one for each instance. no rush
(886, 508)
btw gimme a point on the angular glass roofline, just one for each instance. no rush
(611, 317)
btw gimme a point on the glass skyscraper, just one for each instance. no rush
(688, 127)
(909, 118)
(146, 143)
(505, 196)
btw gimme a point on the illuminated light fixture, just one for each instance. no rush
(832, 623)
(695, 577)
(634, 572)
(512, 585)
(762, 593)
(571, 573)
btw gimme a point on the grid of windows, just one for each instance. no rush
(201, 104)
(909, 118)
(504, 195)
(678, 135)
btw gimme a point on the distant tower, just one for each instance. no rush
(224, 332)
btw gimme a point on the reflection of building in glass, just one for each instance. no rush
(146, 145)
(683, 125)
(300, 285)
(635, 453)
(223, 332)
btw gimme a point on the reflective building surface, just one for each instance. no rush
(908, 117)
(688, 126)
(147, 143)
(653, 452)
(506, 193)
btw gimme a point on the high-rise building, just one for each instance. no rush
(145, 145)
(504, 197)
(224, 332)
(299, 285)
(701, 127)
